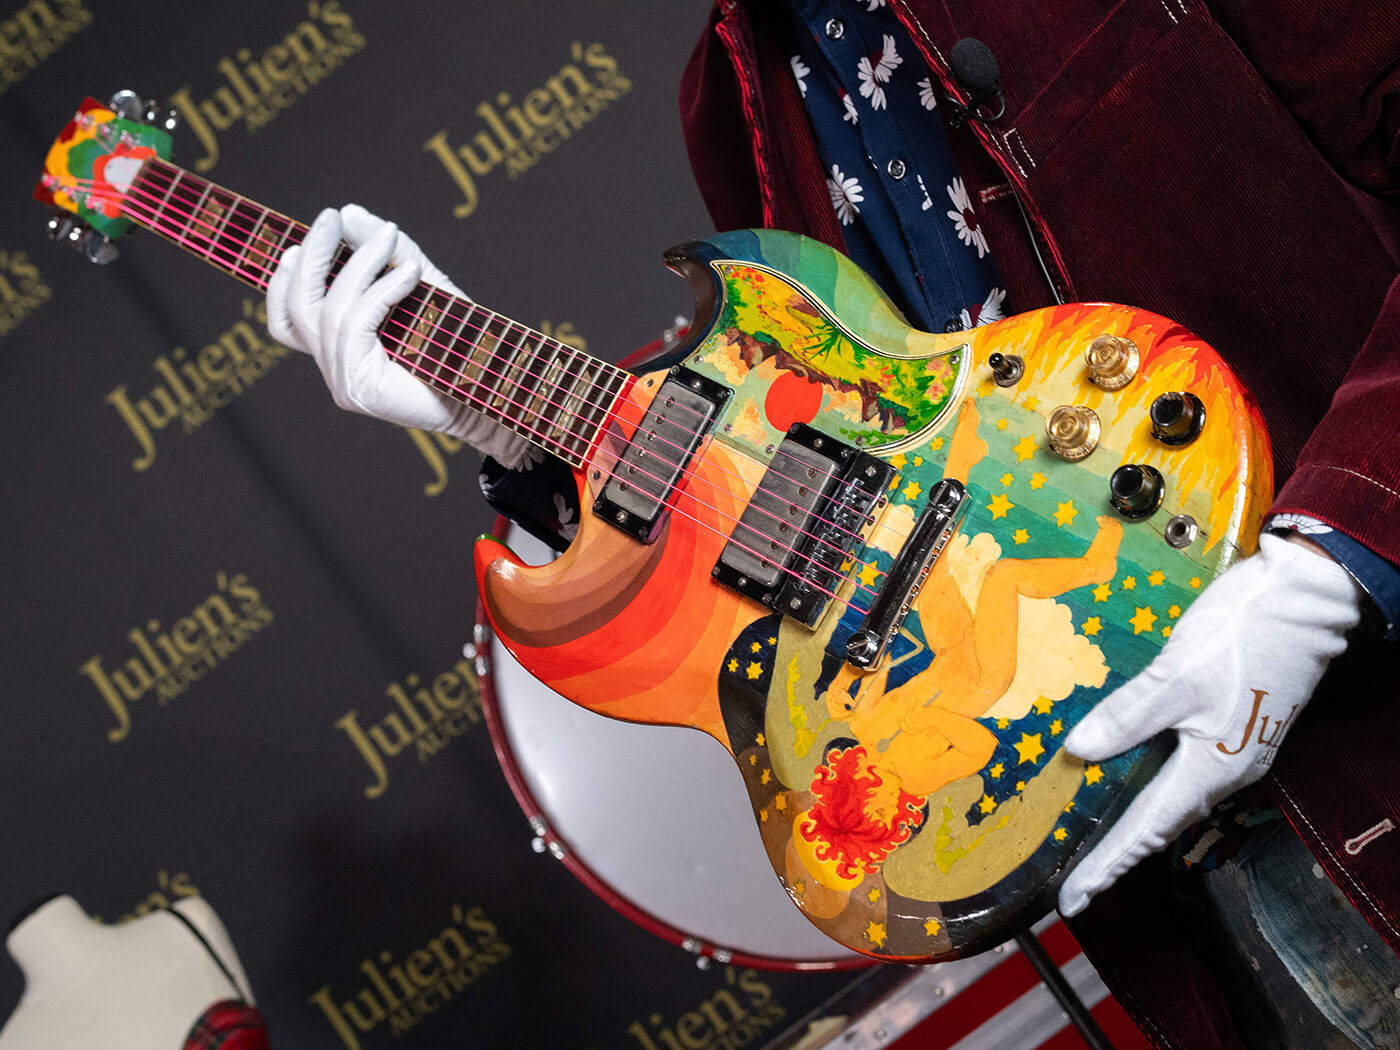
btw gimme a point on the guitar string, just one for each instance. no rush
(152, 221)
(214, 247)
(175, 172)
(192, 244)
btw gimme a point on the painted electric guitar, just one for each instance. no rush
(887, 569)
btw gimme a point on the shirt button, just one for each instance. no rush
(835, 29)
(953, 324)
(896, 168)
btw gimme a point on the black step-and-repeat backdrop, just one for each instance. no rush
(226, 602)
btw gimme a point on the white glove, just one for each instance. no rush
(1234, 676)
(338, 327)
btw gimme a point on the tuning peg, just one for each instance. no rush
(165, 119)
(58, 226)
(127, 105)
(99, 248)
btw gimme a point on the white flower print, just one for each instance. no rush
(991, 309)
(927, 97)
(845, 195)
(568, 524)
(875, 4)
(928, 203)
(874, 71)
(850, 108)
(965, 219)
(800, 71)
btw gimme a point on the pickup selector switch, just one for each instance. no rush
(1135, 490)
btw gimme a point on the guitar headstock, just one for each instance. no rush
(90, 168)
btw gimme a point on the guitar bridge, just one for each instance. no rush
(808, 514)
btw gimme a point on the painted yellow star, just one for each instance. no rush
(1092, 626)
(1069, 806)
(1143, 619)
(1025, 448)
(1195, 583)
(873, 895)
(1020, 785)
(1003, 423)
(912, 490)
(987, 804)
(869, 574)
(1003, 723)
(997, 770)
(756, 647)
(1006, 480)
(1092, 774)
(897, 461)
(733, 665)
(800, 887)
(1037, 480)
(875, 933)
(1101, 592)
(766, 776)
(759, 740)
(1056, 727)
(935, 445)
(772, 639)
(1000, 505)
(932, 926)
(763, 816)
(1042, 705)
(754, 671)
(1129, 583)
(1031, 402)
(1167, 631)
(918, 461)
(1021, 536)
(1065, 513)
(1155, 578)
(753, 760)
(1174, 611)
(1029, 749)
(780, 803)
(1061, 834)
(986, 388)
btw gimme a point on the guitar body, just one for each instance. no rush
(924, 809)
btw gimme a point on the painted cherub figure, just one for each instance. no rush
(923, 734)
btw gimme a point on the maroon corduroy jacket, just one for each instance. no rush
(1225, 164)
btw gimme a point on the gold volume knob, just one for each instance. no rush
(1073, 431)
(1112, 361)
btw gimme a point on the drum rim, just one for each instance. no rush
(560, 847)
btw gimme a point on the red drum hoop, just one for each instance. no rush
(575, 774)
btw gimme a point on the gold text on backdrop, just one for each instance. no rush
(22, 290)
(721, 1022)
(167, 661)
(257, 87)
(518, 135)
(35, 32)
(403, 991)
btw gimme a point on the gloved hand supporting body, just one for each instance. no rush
(1232, 679)
(338, 327)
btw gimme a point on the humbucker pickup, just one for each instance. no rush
(808, 514)
(679, 417)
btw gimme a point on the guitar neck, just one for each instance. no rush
(556, 397)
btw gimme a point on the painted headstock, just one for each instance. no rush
(90, 168)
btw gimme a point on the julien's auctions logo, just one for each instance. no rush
(35, 32)
(424, 718)
(517, 135)
(398, 992)
(192, 386)
(22, 290)
(738, 1015)
(256, 86)
(166, 661)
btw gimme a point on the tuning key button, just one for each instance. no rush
(1073, 431)
(1135, 490)
(1112, 361)
(1177, 418)
(1007, 369)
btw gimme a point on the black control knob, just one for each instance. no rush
(1177, 418)
(1135, 490)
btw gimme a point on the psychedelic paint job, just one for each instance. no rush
(91, 165)
(924, 810)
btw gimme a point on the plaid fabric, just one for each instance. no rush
(229, 1025)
